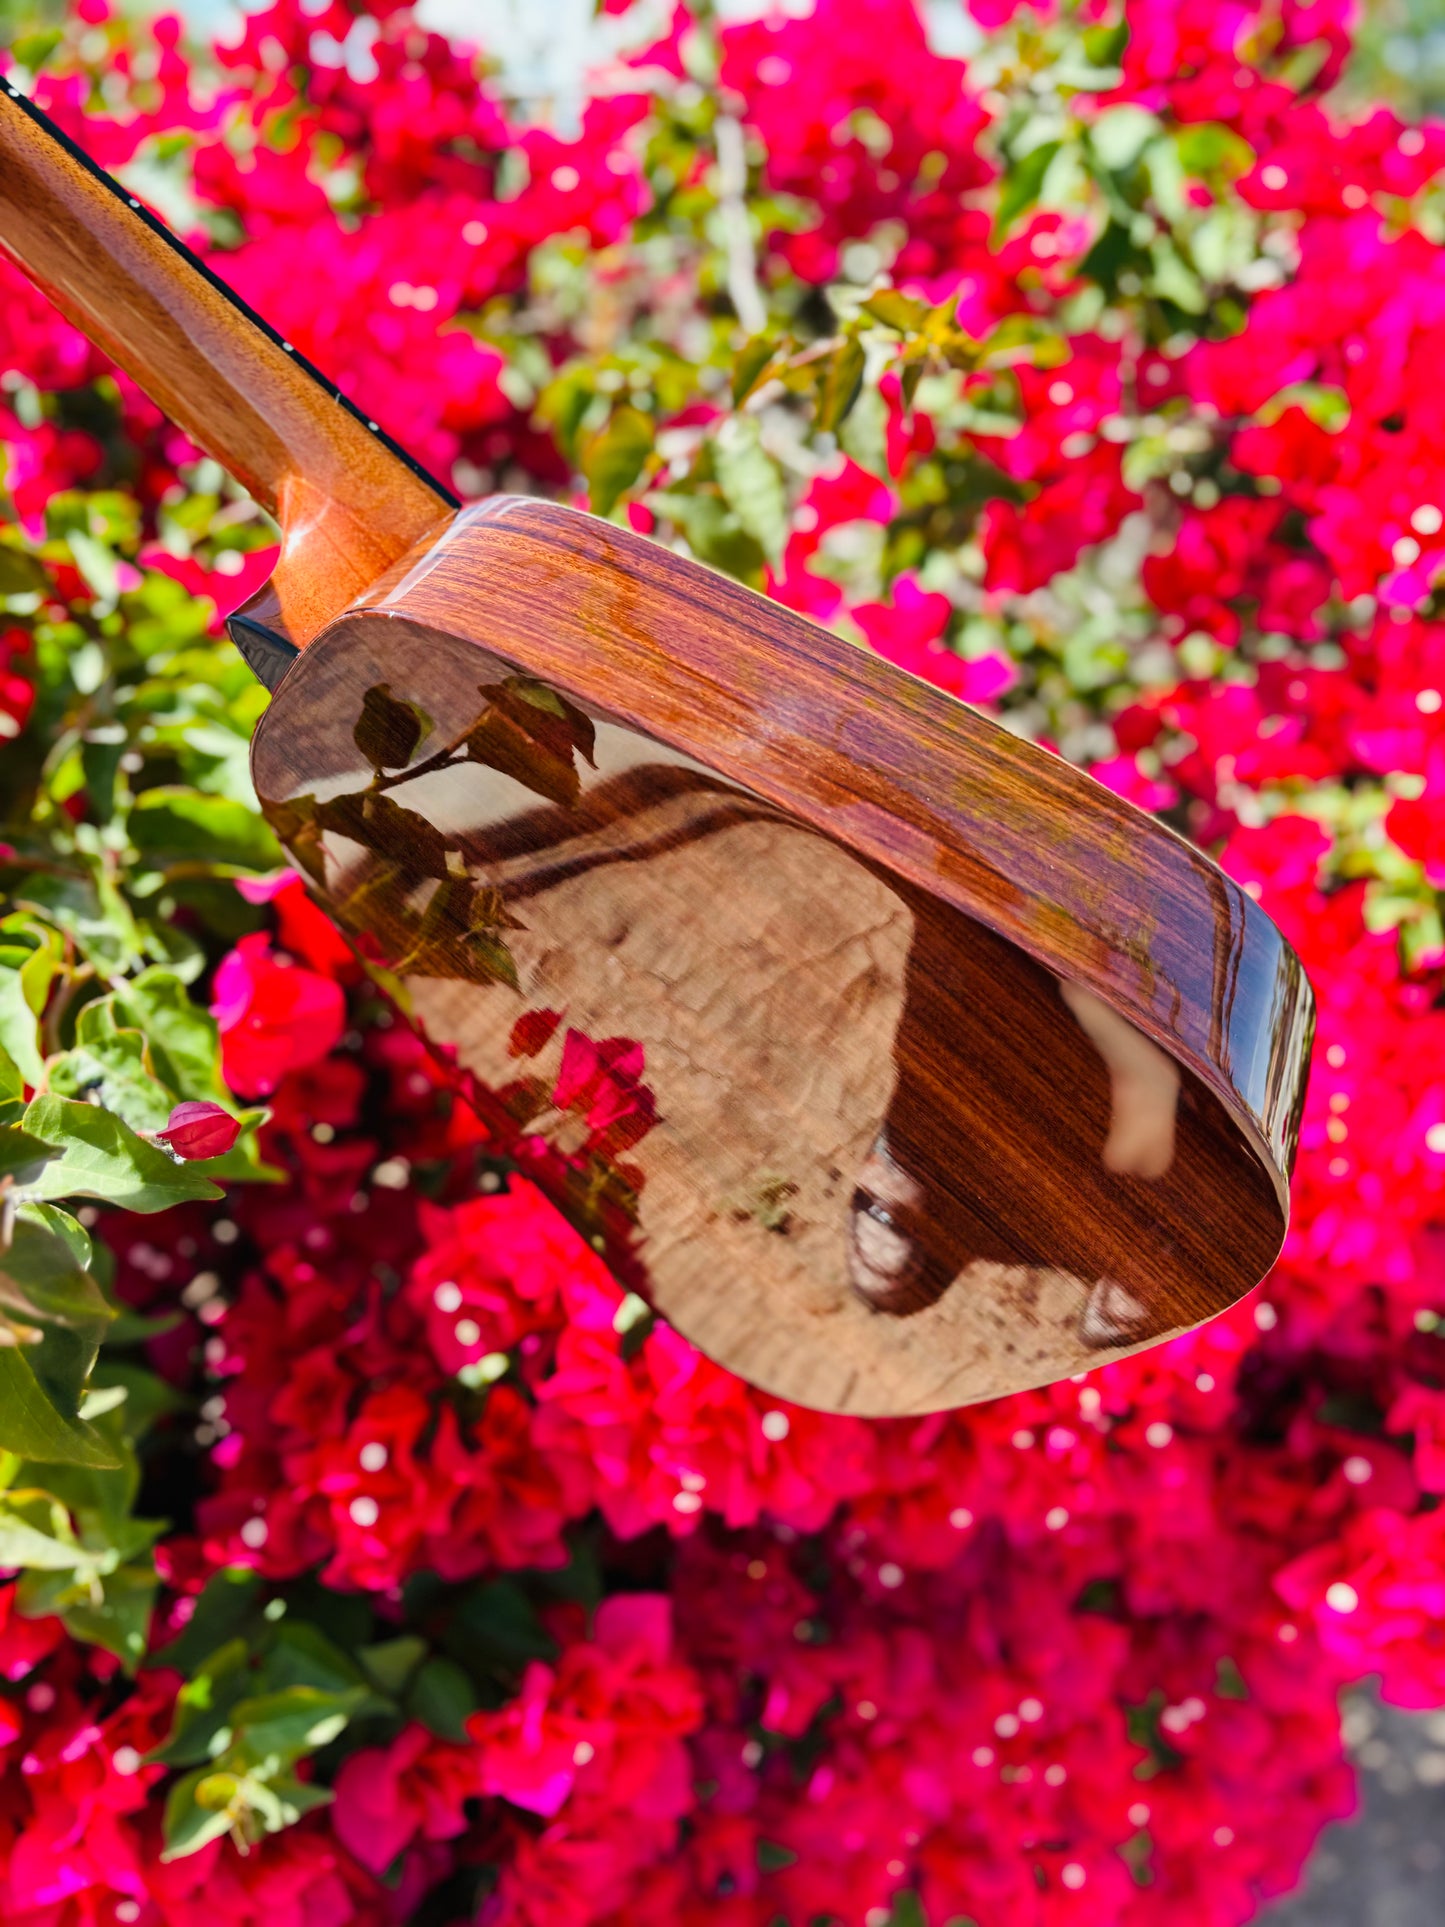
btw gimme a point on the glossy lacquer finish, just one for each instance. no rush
(894, 1061)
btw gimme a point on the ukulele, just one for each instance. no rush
(895, 1062)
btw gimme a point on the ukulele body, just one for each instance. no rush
(894, 1061)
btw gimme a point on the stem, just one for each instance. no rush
(742, 260)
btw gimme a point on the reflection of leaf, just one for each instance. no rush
(371, 818)
(532, 734)
(389, 730)
(459, 936)
(295, 823)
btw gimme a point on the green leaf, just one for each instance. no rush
(32, 1427)
(36, 1534)
(838, 387)
(20, 1027)
(191, 1821)
(903, 312)
(614, 457)
(495, 1630)
(1120, 134)
(20, 573)
(113, 1612)
(203, 1704)
(750, 364)
(116, 1063)
(389, 730)
(286, 1725)
(103, 1158)
(23, 1156)
(751, 484)
(1104, 46)
(12, 1089)
(443, 1699)
(72, 1234)
(391, 1663)
(172, 825)
(185, 1043)
(1021, 185)
(713, 533)
(41, 1283)
(302, 1655)
(231, 1601)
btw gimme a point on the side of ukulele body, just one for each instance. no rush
(893, 1060)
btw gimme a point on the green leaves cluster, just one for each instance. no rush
(125, 814)
(278, 1686)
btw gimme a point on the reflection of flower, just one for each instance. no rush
(602, 1080)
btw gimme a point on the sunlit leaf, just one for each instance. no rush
(101, 1157)
(614, 457)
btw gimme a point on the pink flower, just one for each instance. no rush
(197, 1129)
(274, 1015)
(909, 631)
(388, 1796)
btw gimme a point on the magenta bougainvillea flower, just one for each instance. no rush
(600, 1633)
(197, 1129)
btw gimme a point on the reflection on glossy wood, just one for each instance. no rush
(895, 1062)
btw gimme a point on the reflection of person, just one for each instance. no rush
(1022, 1111)
(978, 1159)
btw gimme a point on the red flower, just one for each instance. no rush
(274, 1015)
(199, 1130)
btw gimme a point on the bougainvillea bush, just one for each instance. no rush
(375, 1560)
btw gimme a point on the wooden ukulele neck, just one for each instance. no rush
(348, 500)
